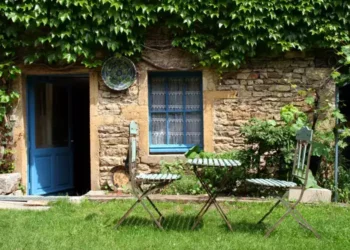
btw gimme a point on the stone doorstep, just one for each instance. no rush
(311, 195)
(13, 205)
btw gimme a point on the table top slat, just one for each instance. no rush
(233, 163)
(222, 164)
(228, 164)
(200, 162)
(216, 163)
(205, 162)
(211, 162)
(195, 161)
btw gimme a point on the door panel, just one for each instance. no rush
(42, 172)
(50, 151)
(63, 174)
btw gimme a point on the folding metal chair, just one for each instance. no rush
(300, 170)
(153, 181)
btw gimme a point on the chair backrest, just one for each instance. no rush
(303, 151)
(134, 129)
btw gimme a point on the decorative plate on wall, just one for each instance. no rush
(118, 73)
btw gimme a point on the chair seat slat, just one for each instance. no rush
(272, 182)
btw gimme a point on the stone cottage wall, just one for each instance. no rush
(263, 86)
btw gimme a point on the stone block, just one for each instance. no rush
(143, 168)
(299, 70)
(260, 94)
(261, 87)
(317, 73)
(311, 195)
(296, 76)
(253, 76)
(274, 75)
(231, 82)
(243, 76)
(259, 81)
(280, 88)
(244, 94)
(9, 182)
(18, 193)
(112, 161)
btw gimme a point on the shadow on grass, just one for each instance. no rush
(171, 222)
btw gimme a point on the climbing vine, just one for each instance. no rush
(220, 33)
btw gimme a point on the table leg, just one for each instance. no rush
(212, 200)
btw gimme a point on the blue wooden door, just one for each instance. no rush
(50, 145)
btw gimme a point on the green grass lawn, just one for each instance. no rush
(90, 225)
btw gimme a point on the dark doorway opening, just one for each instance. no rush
(59, 135)
(344, 106)
(80, 117)
(81, 134)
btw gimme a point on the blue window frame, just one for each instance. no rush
(175, 111)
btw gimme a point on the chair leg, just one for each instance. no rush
(287, 206)
(277, 223)
(305, 223)
(299, 218)
(126, 214)
(139, 200)
(155, 208)
(152, 204)
(269, 212)
(296, 215)
(152, 216)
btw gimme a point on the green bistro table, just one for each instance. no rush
(198, 165)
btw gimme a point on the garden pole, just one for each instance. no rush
(336, 135)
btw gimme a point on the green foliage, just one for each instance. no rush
(188, 184)
(271, 142)
(69, 31)
(7, 101)
(311, 181)
(270, 146)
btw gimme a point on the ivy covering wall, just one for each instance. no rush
(221, 33)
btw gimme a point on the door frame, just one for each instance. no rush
(29, 114)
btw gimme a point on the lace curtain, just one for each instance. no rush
(176, 104)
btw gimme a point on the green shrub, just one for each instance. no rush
(188, 184)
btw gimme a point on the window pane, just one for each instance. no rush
(176, 131)
(175, 93)
(193, 93)
(51, 116)
(158, 93)
(158, 124)
(193, 128)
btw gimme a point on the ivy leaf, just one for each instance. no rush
(310, 100)
(4, 98)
